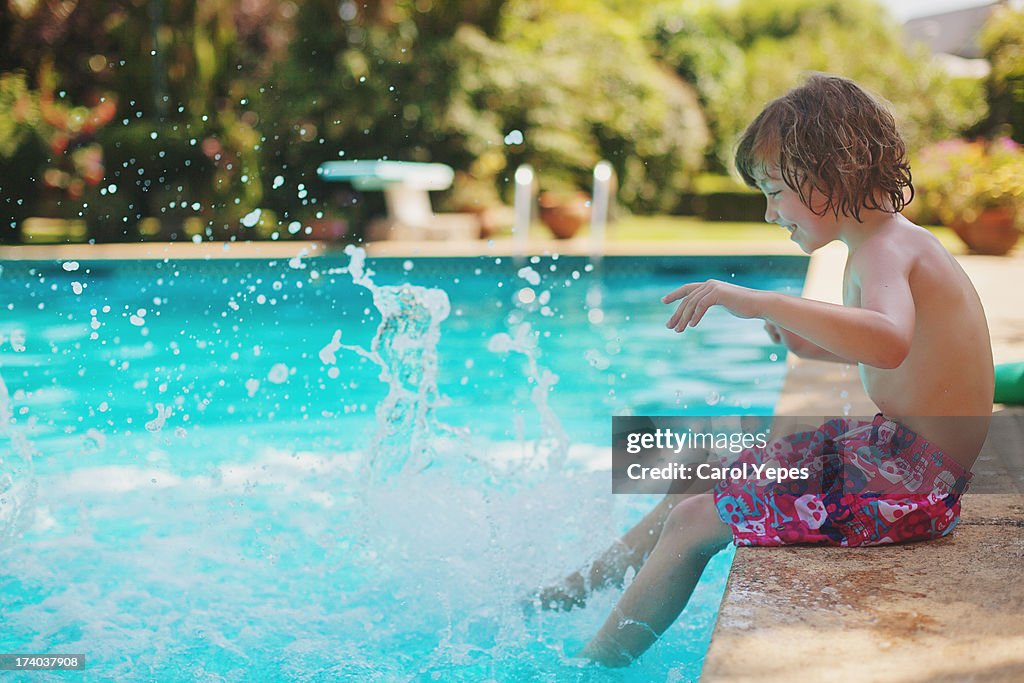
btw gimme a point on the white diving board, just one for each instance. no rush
(405, 185)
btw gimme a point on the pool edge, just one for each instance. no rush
(286, 249)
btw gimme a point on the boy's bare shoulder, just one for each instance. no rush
(898, 248)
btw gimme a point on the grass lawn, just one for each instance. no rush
(691, 228)
(660, 228)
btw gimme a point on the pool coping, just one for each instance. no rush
(945, 610)
(505, 247)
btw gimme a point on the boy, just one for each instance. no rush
(832, 165)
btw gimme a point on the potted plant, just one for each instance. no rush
(977, 189)
(564, 211)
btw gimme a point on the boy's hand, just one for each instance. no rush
(698, 297)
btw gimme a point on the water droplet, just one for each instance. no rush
(252, 218)
(515, 137)
(278, 374)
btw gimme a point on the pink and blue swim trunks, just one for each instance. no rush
(870, 483)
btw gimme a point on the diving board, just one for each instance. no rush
(406, 186)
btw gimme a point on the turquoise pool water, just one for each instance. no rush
(192, 490)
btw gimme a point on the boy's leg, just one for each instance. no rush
(610, 568)
(692, 533)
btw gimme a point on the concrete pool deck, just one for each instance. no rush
(949, 610)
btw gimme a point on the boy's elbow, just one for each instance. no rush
(891, 356)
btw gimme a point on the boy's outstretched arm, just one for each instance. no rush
(878, 333)
(800, 346)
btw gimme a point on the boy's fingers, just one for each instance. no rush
(684, 319)
(675, 316)
(679, 292)
(682, 311)
(684, 315)
(698, 313)
(692, 302)
(690, 295)
(702, 306)
(674, 295)
(673, 322)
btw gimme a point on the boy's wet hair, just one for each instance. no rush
(828, 137)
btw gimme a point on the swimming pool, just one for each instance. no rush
(208, 495)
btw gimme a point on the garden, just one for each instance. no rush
(180, 120)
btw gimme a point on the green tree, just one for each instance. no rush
(782, 40)
(1003, 45)
(180, 70)
(575, 79)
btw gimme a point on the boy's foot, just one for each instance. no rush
(563, 597)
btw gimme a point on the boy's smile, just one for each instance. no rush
(809, 230)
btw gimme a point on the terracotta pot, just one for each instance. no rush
(564, 215)
(325, 229)
(993, 232)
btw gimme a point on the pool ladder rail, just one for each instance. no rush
(525, 202)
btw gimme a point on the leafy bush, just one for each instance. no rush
(575, 101)
(956, 180)
(153, 171)
(1002, 43)
(742, 55)
(49, 158)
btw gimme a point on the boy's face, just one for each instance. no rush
(809, 230)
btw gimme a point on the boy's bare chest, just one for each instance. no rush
(851, 292)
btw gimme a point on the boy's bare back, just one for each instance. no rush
(948, 369)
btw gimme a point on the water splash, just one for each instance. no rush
(553, 446)
(17, 477)
(405, 349)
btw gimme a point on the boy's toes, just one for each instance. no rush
(558, 598)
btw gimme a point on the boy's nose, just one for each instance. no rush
(770, 214)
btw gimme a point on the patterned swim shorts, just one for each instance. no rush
(870, 483)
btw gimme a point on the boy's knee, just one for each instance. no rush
(696, 520)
